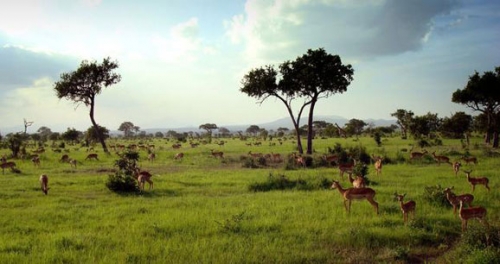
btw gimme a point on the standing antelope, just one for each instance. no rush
(474, 181)
(152, 157)
(456, 167)
(356, 194)
(64, 158)
(440, 159)
(470, 213)
(331, 159)
(417, 155)
(456, 199)
(179, 155)
(359, 182)
(72, 162)
(378, 165)
(92, 156)
(346, 167)
(217, 154)
(142, 178)
(469, 159)
(44, 182)
(7, 164)
(406, 208)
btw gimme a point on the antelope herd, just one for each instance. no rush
(359, 190)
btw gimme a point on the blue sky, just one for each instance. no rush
(182, 61)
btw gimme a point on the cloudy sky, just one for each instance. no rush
(182, 61)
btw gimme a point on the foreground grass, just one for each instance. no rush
(201, 211)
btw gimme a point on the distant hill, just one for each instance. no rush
(285, 122)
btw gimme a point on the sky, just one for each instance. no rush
(182, 62)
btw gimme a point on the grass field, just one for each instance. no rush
(202, 211)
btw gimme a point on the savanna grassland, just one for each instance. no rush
(201, 209)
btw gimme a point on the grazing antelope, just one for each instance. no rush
(36, 161)
(456, 167)
(142, 178)
(440, 159)
(179, 155)
(417, 155)
(406, 208)
(478, 213)
(92, 156)
(64, 158)
(44, 183)
(217, 154)
(356, 194)
(72, 162)
(176, 146)
(7, 164)
(456, 199)
(469, 159)
(359, 182)
(475, 181)
(152, 157)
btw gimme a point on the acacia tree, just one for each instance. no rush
(209, 128)
(128, 128)
(404, 120)
(82, 86)
(312, 76)
(482, 94)
(355, 127)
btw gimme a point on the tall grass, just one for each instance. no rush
(202, 210)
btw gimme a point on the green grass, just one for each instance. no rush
(202, 211)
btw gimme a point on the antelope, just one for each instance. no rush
(36, 161)
(254, 155)
(276, 157)
(179, 155)
(142, 178)
(152, 157)
(91, 156)
(440, 159)
(299, 160)
(72, 162)
(346, 167)
(417, 155)
(331, 158)
(456, 167)
(406, 208)
(456, 199)
(44, 182)
(474, 181)
(64, 158)
(355, 194)
(378, 165)
(470, 213)
(359, 182)
(6, 164)
(176, 146)
(469, 159)
(217, 154)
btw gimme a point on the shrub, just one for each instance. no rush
(123, 180)
(436, 196)
(280, 182)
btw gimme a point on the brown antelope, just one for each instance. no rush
(299, 160)
(217, 154)
(330, 159)
(44, 183)
(475, 181)
(456, 167)
(7, 164)
(469, 159)
(152, 157)
(356, 194)
(378, 165)
(254, 155)
(36, 161)
(456, 199)
(441, 158)
(179, 155)
(92, 156)
(276, 157)
(143, 177)
(176, 146)
(346, 167)
(478, 213)
(406, 208)
(72, 162)
(417, 155)
(64, 158)
(359, 182)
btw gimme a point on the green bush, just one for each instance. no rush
(123, 180)
(435, 195)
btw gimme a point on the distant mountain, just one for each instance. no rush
(285, 122)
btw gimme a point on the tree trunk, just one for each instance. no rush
(495, 139)
(310, 127)
(96, 127)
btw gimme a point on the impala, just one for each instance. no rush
(152, 157)
(346, 167)
(142, 178)
(456, 199)
(417, 155)
(440, 159)
(72, 162)
(456, 167)
(92, 156)
(217, 154)
(478, 213)
(356, 194)
(44, 183)
(64, 158)
(359, 182)
(378, 165)
(179, 155)
(36, 161)
(7, 164)
(469, 159)
(276, 157)
(331, 159)
(475, 181)
(406, 208)
(254, 155)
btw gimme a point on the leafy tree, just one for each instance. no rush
(224, 132)
(71, 135)
(482, 94)
(263, 133)
(425, 125)
(209, 128)
(54, 136)
(404, 120)
(15, 142)
(159, 134)
(128, 128)
(319, 127)
(312, 76)
(355, 127)
(253, 129)
(44, 133)
(82, 86)
(457, 125)
(92, 136)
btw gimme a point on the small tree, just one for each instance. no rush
(123, 180)
(253, 130)
(71, 135)
(82, 86)
(208, 127)
(92, 136)
(404, 120)
(127, 128)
